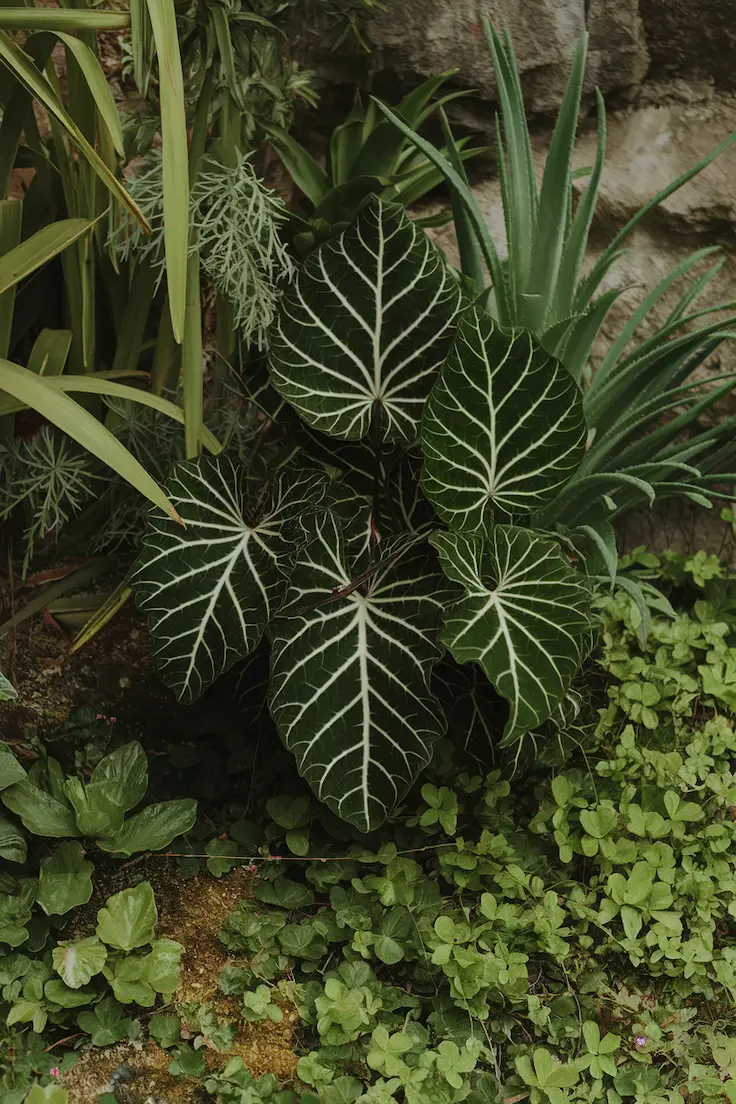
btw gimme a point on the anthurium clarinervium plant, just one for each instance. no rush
(408, 523)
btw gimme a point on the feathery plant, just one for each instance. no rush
(641, 405)
(50, 479)
(235, 221)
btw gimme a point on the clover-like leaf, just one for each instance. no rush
(351, 667)
(503, 427)
(365, 327)
(523, 617)
(210, 586)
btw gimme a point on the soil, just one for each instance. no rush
(192, 912)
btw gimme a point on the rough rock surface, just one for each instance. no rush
(667, 69)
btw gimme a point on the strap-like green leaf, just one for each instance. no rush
(523, 617)
(350, 674)
(210, 588)
(503, 428)
(365, 328)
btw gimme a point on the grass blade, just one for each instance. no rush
(21, 65)
(99, 88)
(102, 616)
(38, 249)
(71, 418)
(191, 361)
(10, 227)
(175, 158)
(49, 353)
(307, 174)
(61, 19)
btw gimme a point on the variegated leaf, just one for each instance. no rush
(503, 428)
(365, 327)
(352, 662)
(210, 586)
(523, 617)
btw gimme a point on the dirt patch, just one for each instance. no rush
(191, 911)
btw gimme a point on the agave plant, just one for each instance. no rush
(641, 404)
(366, 156)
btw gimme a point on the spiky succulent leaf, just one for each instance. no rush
(351, 666)
(503, 427)
(365, 327)
(210, 586)
(523, 617)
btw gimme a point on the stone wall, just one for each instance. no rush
(667, 69)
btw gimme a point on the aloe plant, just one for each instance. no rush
(641, 404)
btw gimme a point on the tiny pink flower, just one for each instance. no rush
(99, 716)
(54, 1072)
(113, 720)
(252, 868)
(640, 1042)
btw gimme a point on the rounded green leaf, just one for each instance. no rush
(128, 920)
(40, 813)
(65, 880)
(524, 617)
(77, 963)
(503, 427)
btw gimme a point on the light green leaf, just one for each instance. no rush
(65, 880)
(524, 617)
(39, 249)
(127, 768)
(365, 328)
(162, 965)
(97, 806)
(350, 677)
(211, 587)
(41, 814)
(77, 963)
(47, 1094)
(503, 428)
(21, 65)
(175, 158)
(59, 993)
(153, 828)
(41, 395)
(128, 920)
(10, 769)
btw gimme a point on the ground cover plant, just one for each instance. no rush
(556, 926)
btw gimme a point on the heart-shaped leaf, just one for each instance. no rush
(210, 586)
(351, 666)
(503, 427)
(77, 963)
(523, 617)
(65, 880)
(365, 327)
